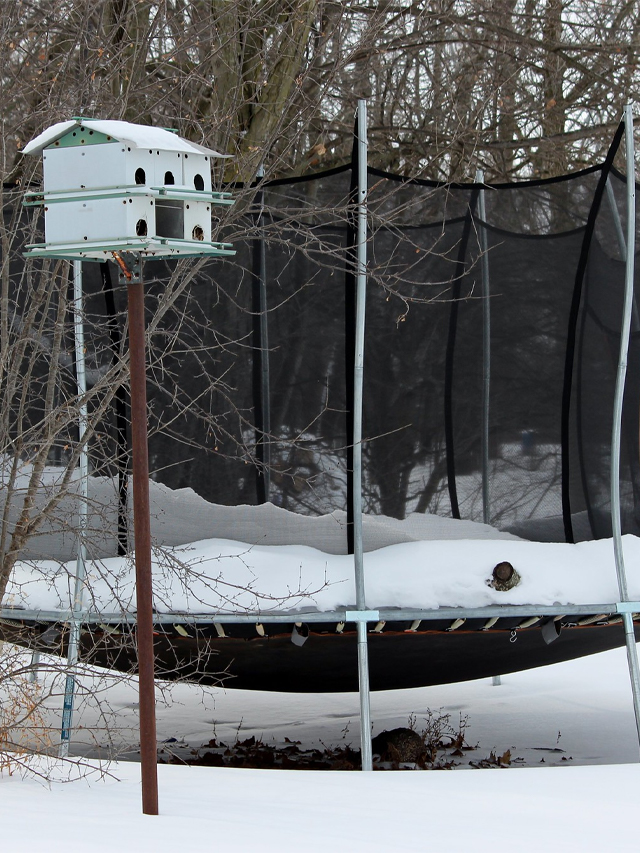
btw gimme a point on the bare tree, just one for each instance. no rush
(520, 88)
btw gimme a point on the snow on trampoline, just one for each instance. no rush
(224, 576)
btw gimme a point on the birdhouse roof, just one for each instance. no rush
(135, 136)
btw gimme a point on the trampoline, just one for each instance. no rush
(494, 320)
(311, 645)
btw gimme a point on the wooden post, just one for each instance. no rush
(142, 534)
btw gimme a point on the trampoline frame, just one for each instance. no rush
(361, 616)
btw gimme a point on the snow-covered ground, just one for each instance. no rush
(577, 809)
(572, 783)
(568, 729)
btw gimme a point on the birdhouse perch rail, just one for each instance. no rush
(40, 198)
(154, 247)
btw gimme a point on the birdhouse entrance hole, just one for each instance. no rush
(141, 228)
(140, 177)
(169, 218)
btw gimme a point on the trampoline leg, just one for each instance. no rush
(83, 508)
(634, 671)
(365, 698)
(625, 329)
(358, 371)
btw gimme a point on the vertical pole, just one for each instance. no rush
(262, 399)
(83, 471)
(616, 523)
(361, 292)
(486, 349)
(350, 284)
(622, 244)
(634, 669)
(142, 535)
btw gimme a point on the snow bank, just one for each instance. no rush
(219, 575)
(181, 516)
(568, 809)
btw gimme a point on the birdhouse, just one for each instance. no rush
(113, 186)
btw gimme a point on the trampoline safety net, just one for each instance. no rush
(251, 363)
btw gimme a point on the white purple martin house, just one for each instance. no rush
(116, 186)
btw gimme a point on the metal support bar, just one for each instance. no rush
(142, 534)
(83, 470)
(486, 348)
(362, 616)
(16, 615)
(628, 607)
(366, 745)
(361, 293)
(632, 661)
(616, 522)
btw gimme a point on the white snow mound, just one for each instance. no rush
(224, 576)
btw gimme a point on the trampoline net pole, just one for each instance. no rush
(486, 348)
(632, 652)
(361, 288)
(261, 382)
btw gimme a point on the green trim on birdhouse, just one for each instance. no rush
(38, 198)
(181, 193)
(81, 136)
(172, 193)
(148, 247)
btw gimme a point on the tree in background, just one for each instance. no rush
(516, 87)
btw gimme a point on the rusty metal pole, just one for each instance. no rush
(142, 534)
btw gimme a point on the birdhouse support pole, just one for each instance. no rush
(83, 511)
(142, 533)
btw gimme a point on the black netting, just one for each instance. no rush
(425, 382)
(554, 272)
